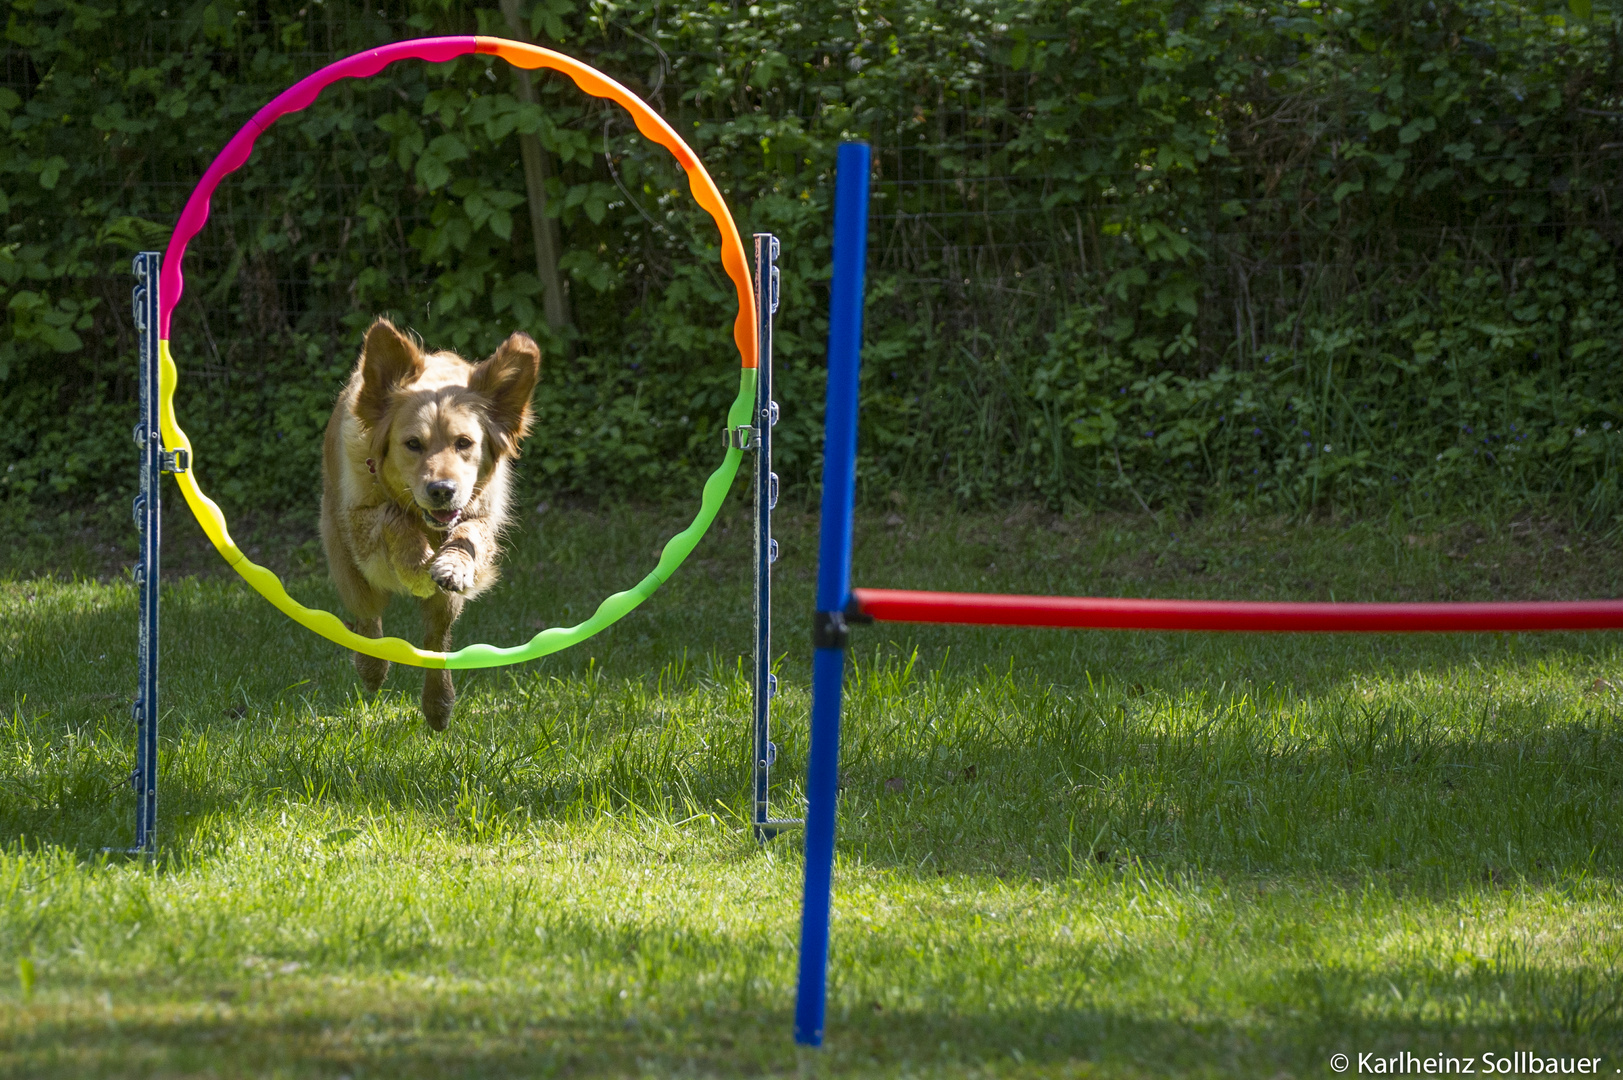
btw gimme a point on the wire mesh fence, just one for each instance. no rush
(1146, 189)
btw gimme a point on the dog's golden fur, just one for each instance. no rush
(416, 477)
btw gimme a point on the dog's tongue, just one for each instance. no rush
(444, 517)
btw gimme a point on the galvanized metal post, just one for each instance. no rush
(764, 684)
(149, 438)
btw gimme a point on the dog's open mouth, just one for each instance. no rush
(441, 519)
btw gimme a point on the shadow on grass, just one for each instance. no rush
(967, 750)
(476, 1034)
(1387, 791)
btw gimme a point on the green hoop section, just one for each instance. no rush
(739, 414)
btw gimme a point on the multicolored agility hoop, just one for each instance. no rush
(171, 285)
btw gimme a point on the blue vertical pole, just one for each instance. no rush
(829, 632)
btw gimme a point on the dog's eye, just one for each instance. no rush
(414, 445)
(464, 443)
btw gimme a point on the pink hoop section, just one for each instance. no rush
(296, 97)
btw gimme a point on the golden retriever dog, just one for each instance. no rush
(416, 473)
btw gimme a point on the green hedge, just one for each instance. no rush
(1285, 255)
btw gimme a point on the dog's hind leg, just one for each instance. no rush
(371, 669)
(439, 612)
(366, 604)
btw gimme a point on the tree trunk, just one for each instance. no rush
(554, 301)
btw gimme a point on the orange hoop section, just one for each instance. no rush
(653, 126)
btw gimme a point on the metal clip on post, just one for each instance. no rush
(764, 684)
(155, 460)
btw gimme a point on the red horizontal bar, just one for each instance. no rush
(1112, 613)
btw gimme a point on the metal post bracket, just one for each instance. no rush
(764, 684)
(155, 461)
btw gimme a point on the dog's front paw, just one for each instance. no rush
(452, 570)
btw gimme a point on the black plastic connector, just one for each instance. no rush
(829, 630)
(832, 629)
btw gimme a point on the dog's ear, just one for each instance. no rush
(506, 381)
(389, 359)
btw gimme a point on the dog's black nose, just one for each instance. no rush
(441, 492)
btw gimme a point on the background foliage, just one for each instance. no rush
(1289, 255)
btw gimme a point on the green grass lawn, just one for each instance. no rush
(1060, 854)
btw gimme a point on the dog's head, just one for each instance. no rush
(438, 425)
